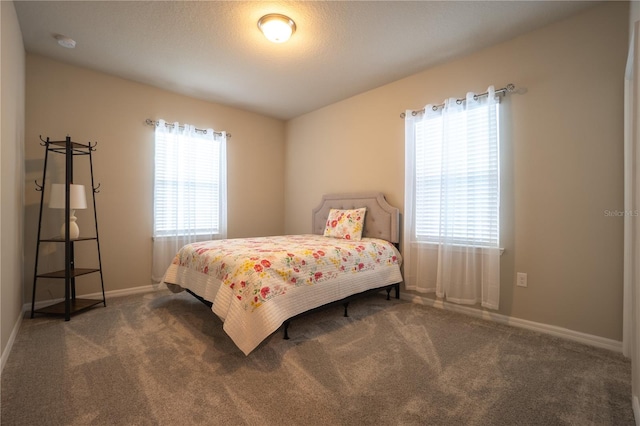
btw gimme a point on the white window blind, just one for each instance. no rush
(457, 175)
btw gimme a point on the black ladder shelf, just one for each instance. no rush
(71, 303)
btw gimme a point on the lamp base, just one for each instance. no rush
(74, 231)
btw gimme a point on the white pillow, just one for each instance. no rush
(347, 224)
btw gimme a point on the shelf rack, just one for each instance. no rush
(71, 303)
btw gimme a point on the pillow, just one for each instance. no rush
(347, 224)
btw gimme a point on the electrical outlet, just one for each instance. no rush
(521, 279)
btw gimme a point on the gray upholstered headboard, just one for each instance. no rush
(382, 220)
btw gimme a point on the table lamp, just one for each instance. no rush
(78, 200)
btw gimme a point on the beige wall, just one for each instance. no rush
(563, 151)
(90, 106)
(11, 172)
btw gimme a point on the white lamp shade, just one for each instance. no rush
(76, 192)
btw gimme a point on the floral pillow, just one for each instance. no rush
(345, 224)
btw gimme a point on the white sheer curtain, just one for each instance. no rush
(190, 190)
(451, 230)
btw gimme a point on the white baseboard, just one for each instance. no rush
(127, 291)
(636, 409)
(12, 338)
(552, 330)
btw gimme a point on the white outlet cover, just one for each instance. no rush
(521, 279)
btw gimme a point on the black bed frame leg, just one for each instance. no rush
(397, 288)
(346, 305)
(286, 330)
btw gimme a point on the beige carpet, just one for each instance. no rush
(163, 359)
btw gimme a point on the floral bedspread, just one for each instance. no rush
(260, 269)
(263, 281)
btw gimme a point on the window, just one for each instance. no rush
(190, 182)
(457, 175)
(452, 200)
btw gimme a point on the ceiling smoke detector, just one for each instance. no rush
(65, 41)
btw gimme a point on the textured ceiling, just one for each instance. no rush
(213, 50)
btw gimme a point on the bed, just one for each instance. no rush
(255, 285)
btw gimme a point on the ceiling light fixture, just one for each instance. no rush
(64, 41)
(277, 28)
